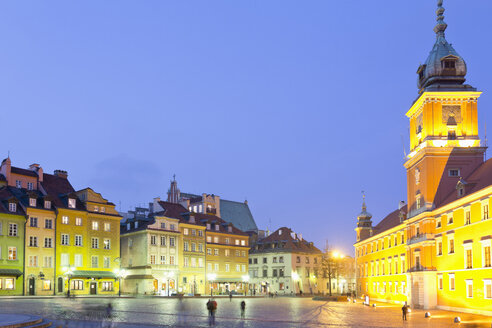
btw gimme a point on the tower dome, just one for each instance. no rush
(444, 68)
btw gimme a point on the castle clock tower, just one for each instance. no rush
(444, 141)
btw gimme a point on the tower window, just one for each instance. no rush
(449, 64)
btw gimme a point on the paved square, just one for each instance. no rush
(260, 312)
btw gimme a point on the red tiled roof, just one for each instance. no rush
(5, 195)
(208, 218)
(390, 221)
(59, 188)
(285, 242)
(172, 210)
(18, 170)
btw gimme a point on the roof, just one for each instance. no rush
(171, 210)
(59, 188)
(6, 194)
(18, 170)
(284, 240)
(239, 214)
(390, 221)
(10, 272)
(93, 274)
(215, 220)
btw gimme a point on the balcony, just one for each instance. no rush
(211, 211)
(420, 238)
(421, 268)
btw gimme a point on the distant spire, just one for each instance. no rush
(174, 177)
(441, 25)
(364, 207)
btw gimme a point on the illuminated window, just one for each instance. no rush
(64, 219)
(171, 260)
(487, 288)
(451, 245)
(12, 253)
(107, 286)
(9, 283)
(71, 203)
(439, 279)
(185, 231)
(12, 207)
(107, 226)
(485, 212)
(467, 217)
(469, 258)
(47, 204)
(469, 288)
(95, 225)
(152, 259)
(76, 284)
(46, 284)
(107, 244)
(439, 247)
(32, 202)
(486, 262)
(163, 259)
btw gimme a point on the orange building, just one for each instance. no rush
(435, 251)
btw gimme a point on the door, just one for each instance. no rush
(93, 288)
(32, 286)
(60, 285)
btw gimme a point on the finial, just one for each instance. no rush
(441, 25)
(174, 177)
(363, 201)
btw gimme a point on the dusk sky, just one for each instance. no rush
(295, 106)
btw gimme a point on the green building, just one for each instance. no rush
(12, 224)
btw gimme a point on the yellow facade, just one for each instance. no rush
(192, 259)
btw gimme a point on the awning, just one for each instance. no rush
(10, 272)
(227, 280)
(93, 274)
(140, 276)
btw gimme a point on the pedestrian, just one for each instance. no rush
(211, 307)
(243, 309)
(230, 296)
(404, 311)
(109, 310)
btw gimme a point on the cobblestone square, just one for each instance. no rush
(260, 312)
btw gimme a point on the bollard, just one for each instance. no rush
(374, 305)
(427, 314)
(457, 320)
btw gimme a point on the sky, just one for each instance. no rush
(296, 106)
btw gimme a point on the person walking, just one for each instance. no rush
(211, 307)
(404, 311)
(230, 296)
(243, 309)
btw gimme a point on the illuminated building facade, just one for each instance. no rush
(434, 251)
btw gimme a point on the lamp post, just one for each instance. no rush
(295, 277)
(245, 281)
(68, 271)
(211, 277)
(120, 274)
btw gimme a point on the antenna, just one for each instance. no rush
(486, 141)
(403, 145)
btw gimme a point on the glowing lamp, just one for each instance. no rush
(427, 314)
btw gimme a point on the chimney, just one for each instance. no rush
(280, 232)
(401, 204)
(246, 202)
(156, 206)
(151, 208)
(38, 169)
(300, 236)
(61, 174)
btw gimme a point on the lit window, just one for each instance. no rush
(95, 242)
(451, 281)
(96, 208)
(76, 284)
(71, 203)
(46, 284)
(469, 288)
(107, 226)
(485, 211)
(64, 219)
(18, 184)
(47, 204)
(32, 202)
(107, 286)
(467, 217)
(487, 288)
(95, 225)
(12, 207)
(12, 253)
(9, 283)
(185, 231)
(78, 221)
(439, 277)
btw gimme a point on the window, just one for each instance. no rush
(78, 240)
(216, 251)
(469, 288)
(107, 243)
(163, 225)
(217, 227)
(33, 261)
(64, 219)
(47, 204)
(200, 248)
(227, 268)
(95, 261)
(209, 266)
(48, 242)
(172, 227)
(439, 247)
(32, 202)
(451, 281)
(438, 223)
(153, 239)
(186, 246)
(450, 219)
(95, 225)
(171, 242)
(454, 172)
(163, 259)
(227, 252)
(30, 186)
(18, 184)
(163, 240)
(243, 242)
(107, 262)
(64, 239)
(64, 259)
(485, 212)
(467, 217)
(298, 260)
(12, 253)
(33, 241)
(209, 251)
(9, 283)
(78, 260)
(46, 284)
(193, 247)
(439, 283)
(486, 263)
(33, 222)
(449, 64)
(12, 207)
(265, 260)
(185, 231)
(209, 239)
(48, 224)
(12, 229)
(107, 286)
(237, 242)
(96, 208)
(274, 273)
(95, 242)
(216, 240)
(171, 260)
(200, 262)
(419, 201)
(103, 209)
(48, 262)
(152, 259)
(451, 245)
(487, 288)
(468, 258)
(71, 203)
(76, 284)
(107, 226)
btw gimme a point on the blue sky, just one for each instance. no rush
(295, 106)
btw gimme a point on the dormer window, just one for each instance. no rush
(103, 209)
(449, 64)
(32, 202)
(217, 227)
(96, 208)
(12, 207)
(454, 173)
(71, 203)
(230, 228)
(47, 204)
(208, 226)
(461, 191)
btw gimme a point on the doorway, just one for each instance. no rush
(60, 285)
(32, 286)
(93, 288)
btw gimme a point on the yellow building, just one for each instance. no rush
(435, 250)
(192, 260)
(226, 256)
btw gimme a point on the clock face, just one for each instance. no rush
(417, 175)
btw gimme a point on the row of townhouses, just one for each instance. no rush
(435, 249)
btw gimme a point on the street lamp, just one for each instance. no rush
(245, 281)
(120, 274)
(211, 277)
(295, 277)
(68, 271)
